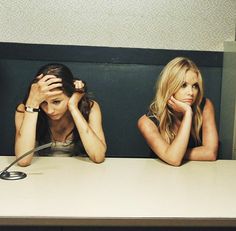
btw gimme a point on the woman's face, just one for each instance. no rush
(189, 89)
(55, 107)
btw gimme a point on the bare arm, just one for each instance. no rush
(174, 152)
(91, 133)
(171, 153)
(25, 122)
(209, 148)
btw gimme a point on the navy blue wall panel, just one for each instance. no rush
(121, 79)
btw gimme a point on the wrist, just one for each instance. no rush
(34, 99)
(72, 107)
(189, 111)
(31, 109)
(32, 103)
(32, 106)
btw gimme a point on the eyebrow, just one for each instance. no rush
(56, 99)
(192, 84)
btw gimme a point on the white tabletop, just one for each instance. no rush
(120, 191)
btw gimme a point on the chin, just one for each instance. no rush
(189, 103)
(54, 117)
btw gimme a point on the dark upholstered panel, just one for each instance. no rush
(123, 91)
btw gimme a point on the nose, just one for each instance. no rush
(190, 90)
(50, 109)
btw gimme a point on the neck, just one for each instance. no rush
(61, 129)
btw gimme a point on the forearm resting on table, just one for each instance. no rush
(25, 136)
(176, 150)
(202, 153)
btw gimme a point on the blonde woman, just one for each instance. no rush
(181, 122)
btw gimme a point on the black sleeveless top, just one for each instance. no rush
(192, 143)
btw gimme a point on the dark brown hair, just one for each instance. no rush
(43, 133)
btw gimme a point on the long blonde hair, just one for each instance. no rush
(171, 79)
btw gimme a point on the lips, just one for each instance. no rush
(188, 100)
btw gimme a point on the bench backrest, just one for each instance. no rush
(122, 80)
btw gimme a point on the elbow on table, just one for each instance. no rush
(24, 163)
(99, 160)
(175, 163)
(99, 157)
(212, 155)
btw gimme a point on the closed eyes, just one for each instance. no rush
(56, 102)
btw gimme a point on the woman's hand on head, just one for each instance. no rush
(77, 95)
(45, 87)
(179, 106)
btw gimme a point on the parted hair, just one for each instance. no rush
(169, 82)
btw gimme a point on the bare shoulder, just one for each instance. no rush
(208, 115)
(145, 124)
(95, 106)
(151, 134)
(142, 121)
(209, 107)
(95, 113)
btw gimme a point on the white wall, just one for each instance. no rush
(161, 24)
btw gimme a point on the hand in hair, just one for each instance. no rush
(44, 87)
(77, 95)
(178, 106)
(79, 86)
